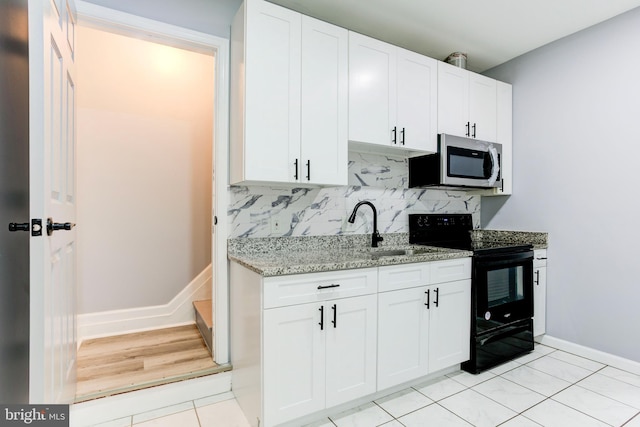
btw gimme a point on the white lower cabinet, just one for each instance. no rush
(318, 355)
(404, 342)
(423, 329)
(304, 343)
(450, 325)
(539, 292)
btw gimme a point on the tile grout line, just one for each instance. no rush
(599, 394)
(193, 402)
(565, 388)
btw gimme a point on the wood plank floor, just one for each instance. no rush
(122, 363)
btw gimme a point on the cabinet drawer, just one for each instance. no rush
(540, 258)
(450, 270)
(394, 277)
(302, 288)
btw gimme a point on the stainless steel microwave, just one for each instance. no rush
(459, 162)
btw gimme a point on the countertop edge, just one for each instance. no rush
(270, 271)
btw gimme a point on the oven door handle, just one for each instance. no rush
(503, 259)
(511, 330)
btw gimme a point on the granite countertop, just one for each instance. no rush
(537, 239)
(276, 256)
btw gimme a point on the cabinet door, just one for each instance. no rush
(372, 90)
(323, 157)
(539, 301)
(450, 324)
(272, 91)
(403, 326)
(417, 101)
(453, 100)
(504, 135)
(351, 348)
(294, 357)
(482, 107)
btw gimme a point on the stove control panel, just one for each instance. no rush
(447, 230)
(440, 220)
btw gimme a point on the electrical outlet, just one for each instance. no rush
(278, 224)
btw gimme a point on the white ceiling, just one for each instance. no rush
(490, 32)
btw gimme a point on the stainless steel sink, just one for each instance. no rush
(391, 252)
(379, 253)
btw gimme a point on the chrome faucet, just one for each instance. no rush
(375, 237)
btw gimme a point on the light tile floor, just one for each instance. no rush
(547, 387)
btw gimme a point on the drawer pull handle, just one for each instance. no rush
(321, 317)
(328, 286)
(427, 303)
(437, 291)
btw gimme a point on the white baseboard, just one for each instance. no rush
(590, 353)
(179, 311)
(136, 402)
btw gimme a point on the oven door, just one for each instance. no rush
(500, 345)
(503, 288)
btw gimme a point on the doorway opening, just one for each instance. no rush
(145, 123)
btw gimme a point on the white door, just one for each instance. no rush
(449, 328)
(52, 195)
(351, 329)
(417, 101)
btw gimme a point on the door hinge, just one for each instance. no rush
(36, 227)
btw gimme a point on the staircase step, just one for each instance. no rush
(204, 321)
(203, 307)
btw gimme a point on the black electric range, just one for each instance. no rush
(501, 288)
(453, 231)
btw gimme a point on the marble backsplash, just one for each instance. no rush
(270, 211)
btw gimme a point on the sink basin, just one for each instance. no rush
(375, 253)
(392, 252)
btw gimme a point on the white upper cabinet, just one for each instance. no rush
(265, 92)
(324, 103)
(288, 97)
(505, 137)
(482, 107)
(392, 95)
(453, 100)
(466, 103)
(417, 111)
(372, 75)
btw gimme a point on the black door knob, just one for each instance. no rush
(16, 226)
(54, 226)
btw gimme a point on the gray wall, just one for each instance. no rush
(576, 175)
(207, 16)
